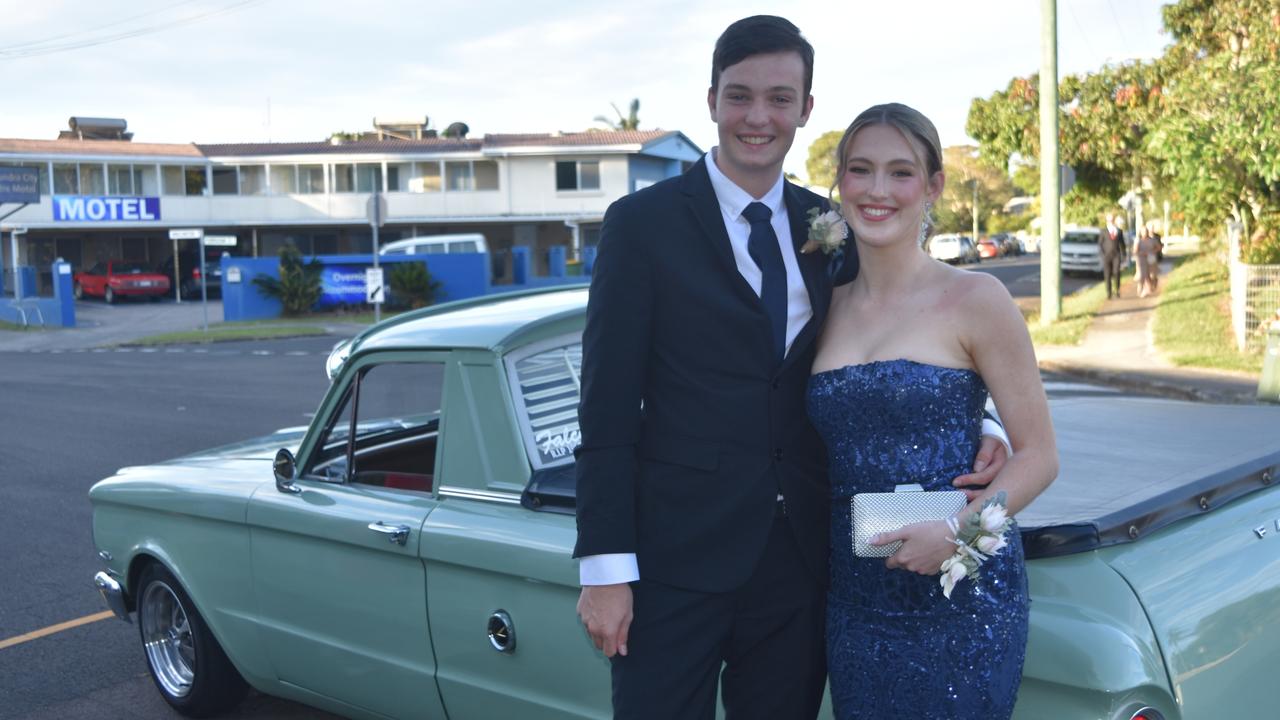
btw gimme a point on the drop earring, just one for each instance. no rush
(924, 223)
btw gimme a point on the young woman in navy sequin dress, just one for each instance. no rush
(909, 353)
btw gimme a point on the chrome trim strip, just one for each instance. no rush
(485, 495)
(113, 594)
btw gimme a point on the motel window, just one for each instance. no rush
(398, 176)
(174, 184)
(344, 178)
(369, 177)
(253, 180)
(458, 176)
(310, 179)
(577, 175)
(66, 179)
(42, 168)
(92, 179)
(284, 179)
(486, 172)
(426, 177)
(225, 181)
(145, 180)
(120, 180)
(196, 182)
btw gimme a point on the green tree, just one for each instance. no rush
(1219, 139)
(821, 164)
(954, 210)
(298, 288)
(630, 121)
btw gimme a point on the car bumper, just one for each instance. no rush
(113, 595)
(140, 291)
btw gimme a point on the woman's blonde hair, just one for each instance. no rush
(914, 126)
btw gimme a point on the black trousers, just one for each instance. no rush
(763, 642)
(1111, 271)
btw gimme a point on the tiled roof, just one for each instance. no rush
(352, 146)
(509, 140)
(602, 137)
(97, 147)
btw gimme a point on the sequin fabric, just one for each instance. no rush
(895, 646)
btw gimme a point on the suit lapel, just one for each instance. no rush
(706, 209)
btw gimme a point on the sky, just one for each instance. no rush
(217, 71)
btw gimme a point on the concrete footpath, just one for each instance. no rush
(1118, 350)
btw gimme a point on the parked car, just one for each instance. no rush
(1008, 244)
(434, 244)
(113, 279)
(990, 249)
(410, 551)
(954, 249)
(189, 270)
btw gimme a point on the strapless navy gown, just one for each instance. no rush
(896, 647)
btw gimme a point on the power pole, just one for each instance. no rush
(1050, 220)
(975, 211)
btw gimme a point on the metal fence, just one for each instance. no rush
(1255, 298)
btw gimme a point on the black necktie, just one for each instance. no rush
(762, 245)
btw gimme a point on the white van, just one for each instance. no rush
(437, 244)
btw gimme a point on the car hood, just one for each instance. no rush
(260, 448)
(215, 483)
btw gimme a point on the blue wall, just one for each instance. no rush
(650, 170)
(58, 311)
(462, 275)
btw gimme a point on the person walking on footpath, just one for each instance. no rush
(1112, 249)
(702, 492)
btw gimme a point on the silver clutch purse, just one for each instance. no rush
(874, 513)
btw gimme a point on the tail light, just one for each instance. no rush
(195, 273)
(1147, 713)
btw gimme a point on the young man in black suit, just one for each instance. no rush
(702, 489)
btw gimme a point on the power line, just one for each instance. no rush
(48, 49)
(121, 21)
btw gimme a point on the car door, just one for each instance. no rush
(339, 587)
(94, 280)
(502, 584)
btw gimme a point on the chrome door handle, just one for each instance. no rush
(398, 534)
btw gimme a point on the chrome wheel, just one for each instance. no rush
(167, 638)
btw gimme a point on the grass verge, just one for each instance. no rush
(227, 332)
(1193, 320)
(1078, 310)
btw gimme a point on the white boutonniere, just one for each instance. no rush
(827, 231)
(979, 537)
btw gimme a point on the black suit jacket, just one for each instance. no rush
(690, 429)
(1112, 247)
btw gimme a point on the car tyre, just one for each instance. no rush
(186, 662)
(109, 295)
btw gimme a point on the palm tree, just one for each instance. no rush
(631, 121)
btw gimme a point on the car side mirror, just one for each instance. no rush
(284, 467)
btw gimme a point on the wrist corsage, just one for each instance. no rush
(827, 231)
(978, 537)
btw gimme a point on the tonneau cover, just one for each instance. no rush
(1130, 466)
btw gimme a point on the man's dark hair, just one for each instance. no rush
(760, 35)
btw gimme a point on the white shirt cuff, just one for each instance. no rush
(610, 569)
(996, 430)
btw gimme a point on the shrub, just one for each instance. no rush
(298, 288)
(1263, 248)
(412, 285)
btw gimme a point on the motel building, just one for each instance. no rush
(105, 197)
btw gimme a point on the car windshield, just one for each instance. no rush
(129, 268)
(1080, 238)
(946, 240)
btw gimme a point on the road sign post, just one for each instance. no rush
(190, 234)
(376, 210)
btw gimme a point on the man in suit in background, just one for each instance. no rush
(1113, 251)
(702, 488)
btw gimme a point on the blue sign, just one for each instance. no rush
(94, 208)
(19, 185)
(342, 285)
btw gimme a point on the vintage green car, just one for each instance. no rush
(414, 560)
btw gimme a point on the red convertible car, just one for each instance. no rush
(113, 279)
